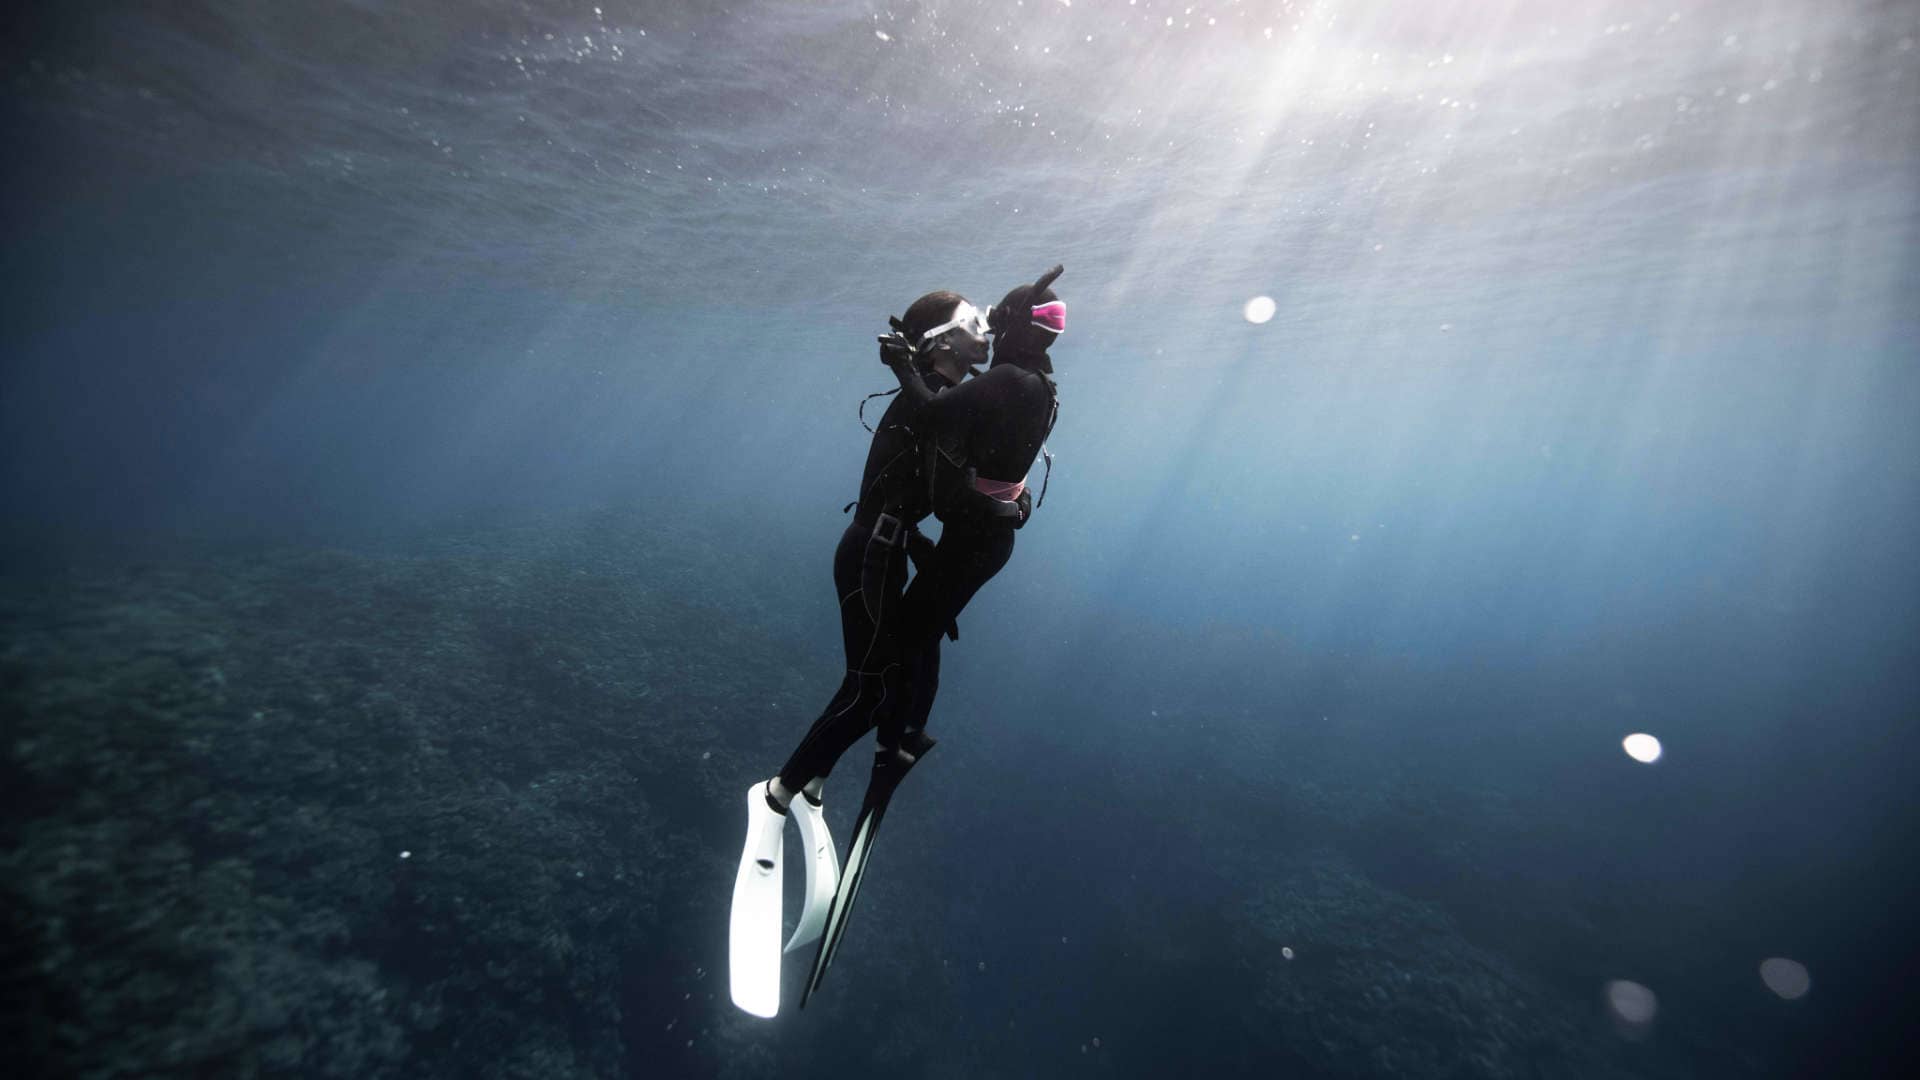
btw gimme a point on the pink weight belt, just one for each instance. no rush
(1004, 490)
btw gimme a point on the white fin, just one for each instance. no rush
(753, 935)
(823, 871)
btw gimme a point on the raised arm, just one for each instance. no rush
(897, 354)
(943, 421)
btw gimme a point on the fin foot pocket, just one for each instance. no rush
(823, 871)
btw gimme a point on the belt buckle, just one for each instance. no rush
(890, 526)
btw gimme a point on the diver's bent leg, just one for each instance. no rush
(872, 698)
(966, 558)
(840, 726)
(923, 682)
(870, 579)
(865, 696)
(926, 684)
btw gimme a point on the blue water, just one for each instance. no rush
(1587, 409)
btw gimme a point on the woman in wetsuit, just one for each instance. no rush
(986, 435)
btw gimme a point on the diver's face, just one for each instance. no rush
(965, 344)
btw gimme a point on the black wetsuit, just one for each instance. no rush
(992, 426)
(869, 575)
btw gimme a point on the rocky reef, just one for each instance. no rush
(466, 807)
(347, 814)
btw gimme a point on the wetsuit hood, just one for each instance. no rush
(1016, 340)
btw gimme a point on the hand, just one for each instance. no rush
(895, 349)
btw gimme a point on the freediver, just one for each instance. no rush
(967, 439)
(994, 426)
(938, 342)
(973, 435)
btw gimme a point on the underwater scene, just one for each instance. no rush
(498, 493)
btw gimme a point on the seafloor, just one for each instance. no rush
(466, 807)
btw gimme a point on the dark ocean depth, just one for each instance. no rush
(423, 436)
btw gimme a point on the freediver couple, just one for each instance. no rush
(961, 450)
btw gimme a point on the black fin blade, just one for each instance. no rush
(889, 768)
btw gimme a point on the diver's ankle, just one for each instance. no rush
(778, 794)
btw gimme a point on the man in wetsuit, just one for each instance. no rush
(939, 341)
(943, 340)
